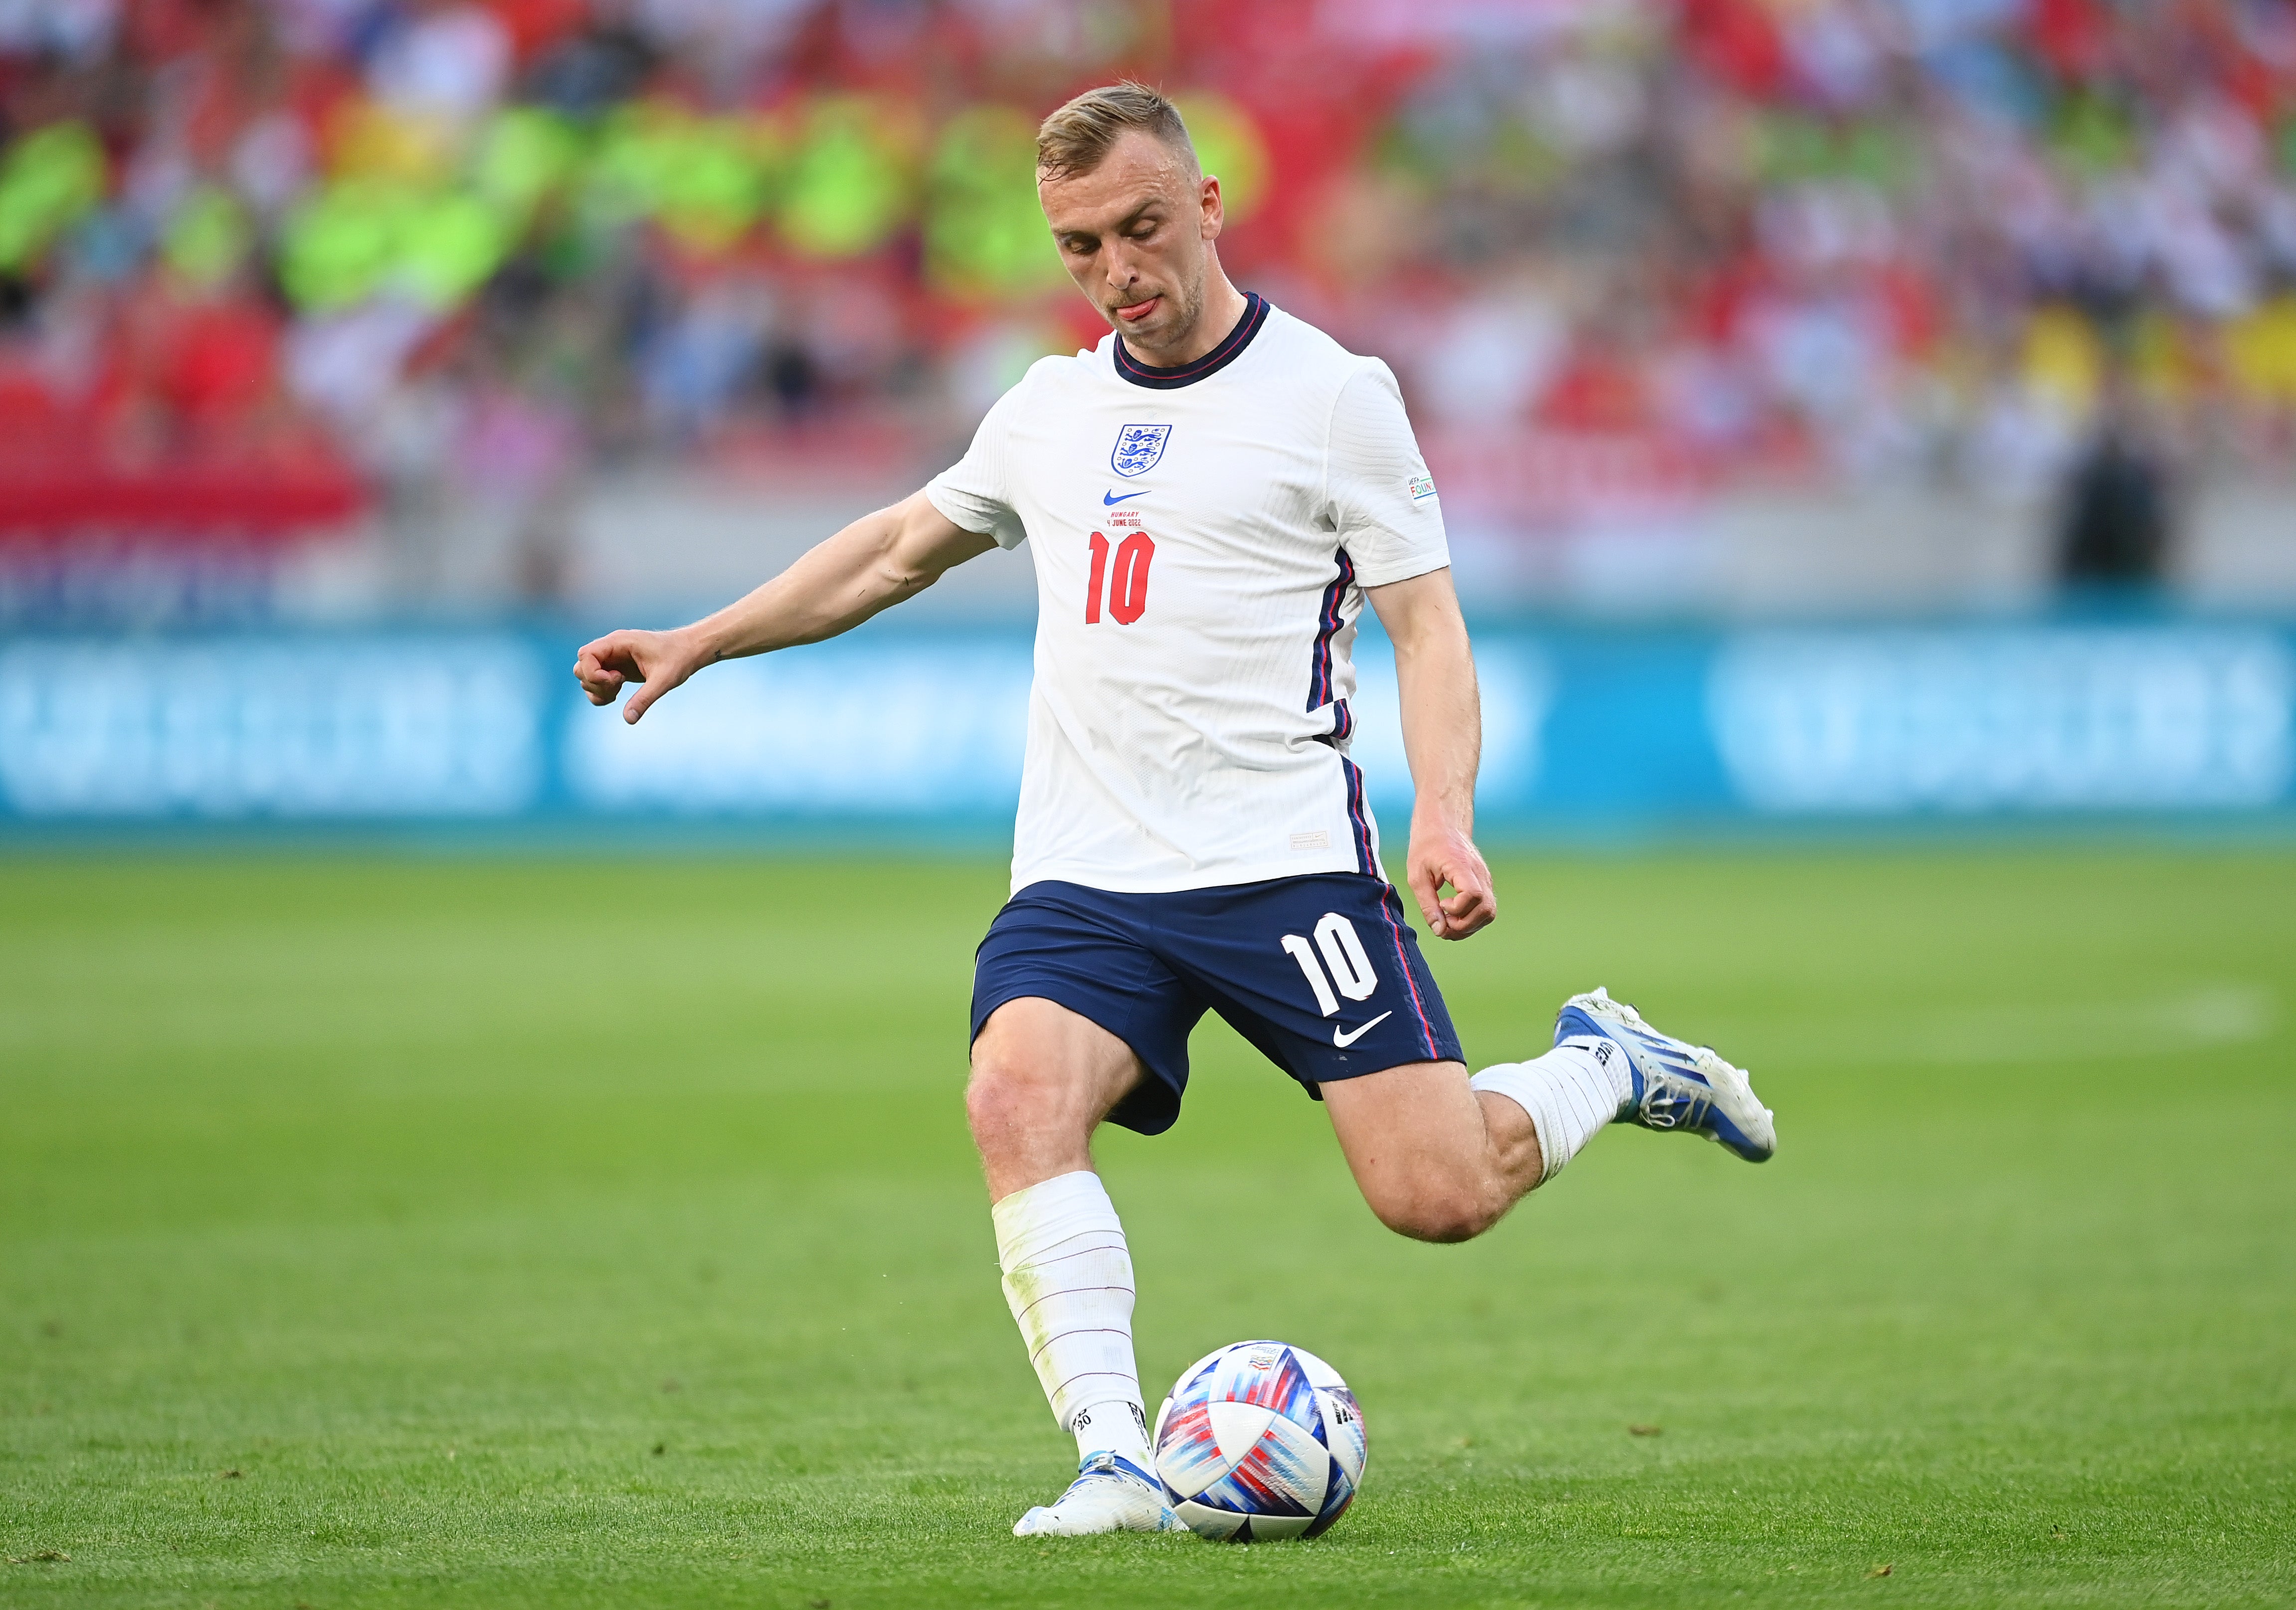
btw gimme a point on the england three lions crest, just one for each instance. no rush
(1138, 448)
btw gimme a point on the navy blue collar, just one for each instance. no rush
(1255, 314)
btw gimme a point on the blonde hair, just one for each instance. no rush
(1077, 137)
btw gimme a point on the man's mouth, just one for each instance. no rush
(1132, 312)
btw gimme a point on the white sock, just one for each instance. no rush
(1569, 1093)
(1068, 1280)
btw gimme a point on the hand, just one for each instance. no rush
(659, 661)
(1441, 855)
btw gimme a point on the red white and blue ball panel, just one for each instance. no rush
(1259, 1441)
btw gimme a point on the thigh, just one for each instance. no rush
(1433, 1158)
(1081, 950)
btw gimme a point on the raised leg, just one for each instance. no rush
(1441, 1157)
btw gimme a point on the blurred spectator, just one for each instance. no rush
(1650, 241)
(2115, 530)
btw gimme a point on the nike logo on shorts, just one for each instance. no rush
(1110, 499)
(1343, 1039)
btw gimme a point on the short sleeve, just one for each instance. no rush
(974, 492)
(1382, 500)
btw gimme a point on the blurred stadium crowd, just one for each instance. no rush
(262, 262)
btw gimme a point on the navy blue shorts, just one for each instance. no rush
(1321, 973)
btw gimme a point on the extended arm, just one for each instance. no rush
(875, 563)
(1443, 737)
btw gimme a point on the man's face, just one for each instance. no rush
(1136, 234)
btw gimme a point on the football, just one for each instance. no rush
(1259, 1441)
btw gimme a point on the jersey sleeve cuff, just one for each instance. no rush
(1402, 570)
(969, 514)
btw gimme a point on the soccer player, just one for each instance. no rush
(1211, 495)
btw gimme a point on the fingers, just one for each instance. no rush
(1470, 911)
(1474, 904)
(606, 666)
(1471, 908)
(601, 681)
(1426, 887)
(599, 685)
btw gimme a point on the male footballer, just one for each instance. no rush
(1211, 495)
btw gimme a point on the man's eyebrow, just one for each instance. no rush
(1123, 224)
(1137, 213)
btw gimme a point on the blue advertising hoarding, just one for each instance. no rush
(1586, 726)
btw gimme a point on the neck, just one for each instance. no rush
(1224, 304)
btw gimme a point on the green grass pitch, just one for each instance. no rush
(462, 1232)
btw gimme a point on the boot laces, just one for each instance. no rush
(1677, 1102)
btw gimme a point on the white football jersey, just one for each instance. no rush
(1202, 538)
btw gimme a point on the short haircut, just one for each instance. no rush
(1077, 137)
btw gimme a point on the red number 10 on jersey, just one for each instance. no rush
(1128, 589)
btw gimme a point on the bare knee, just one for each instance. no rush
(1031, 1116)
(1440, 1212)
(1007, 1093)
(1043, 1077)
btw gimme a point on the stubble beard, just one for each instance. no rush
(1175, 325)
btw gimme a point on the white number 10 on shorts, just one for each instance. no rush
(1343, 954)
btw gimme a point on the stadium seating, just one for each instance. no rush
(264, 262)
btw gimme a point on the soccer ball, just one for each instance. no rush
(1259, 1441)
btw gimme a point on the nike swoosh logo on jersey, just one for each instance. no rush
(1109, 500)
(1343, 1039)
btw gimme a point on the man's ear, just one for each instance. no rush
(1215, 211)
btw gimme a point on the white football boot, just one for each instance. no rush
(1110, 1493)
(1678, 1086)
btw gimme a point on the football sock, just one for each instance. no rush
(1569, 1093)
(1119, 1426)
(1068, 1280)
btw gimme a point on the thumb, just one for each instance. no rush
(659, 679)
